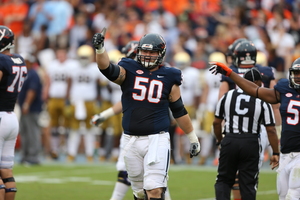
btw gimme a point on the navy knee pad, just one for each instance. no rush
(10, 179)
(10, 190)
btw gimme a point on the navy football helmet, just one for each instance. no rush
(295, 80)
(151, 42)
(6, 38)
(130, 49)
(231, 47)
(244, 53)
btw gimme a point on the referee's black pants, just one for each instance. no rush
(239, 152)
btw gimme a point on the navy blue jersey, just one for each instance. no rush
(145, 97)
(267, 71)
(32, 82)
(14, 72)
(289, 110)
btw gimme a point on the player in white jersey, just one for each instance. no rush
(105, 128)
(58, 72)
(115, 122)
(83, 93)
(207, 108)
(191, 91)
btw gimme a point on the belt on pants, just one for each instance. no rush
(237, 135)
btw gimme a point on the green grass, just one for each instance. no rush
(96, 182)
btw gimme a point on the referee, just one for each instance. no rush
(240, 148)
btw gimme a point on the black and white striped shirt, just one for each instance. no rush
(243, 113)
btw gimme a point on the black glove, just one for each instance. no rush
(98, 39)
(218, 67)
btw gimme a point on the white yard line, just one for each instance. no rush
(42, 179)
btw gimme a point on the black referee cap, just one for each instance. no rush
(254, 75)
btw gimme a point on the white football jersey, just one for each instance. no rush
(59, 73)
(213, 82)
(84, 82)
(116, 92)
(191, 85)
(104, 91)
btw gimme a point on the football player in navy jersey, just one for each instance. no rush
(240, 64)
(13, 72)
(149, 88)
(122, 185)
(287, 93)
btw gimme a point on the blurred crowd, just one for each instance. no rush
(50, 33)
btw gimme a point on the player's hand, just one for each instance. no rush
(97, 119)
(194, 149)
(218, 67)
(274, 162)
(98, 39)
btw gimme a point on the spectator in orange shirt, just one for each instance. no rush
(14, 14)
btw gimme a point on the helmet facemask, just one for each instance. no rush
(294, 76)
(9, 46)
(149, 62)
(245, 60)
(84, 61)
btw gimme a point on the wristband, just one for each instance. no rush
(100, 51)
(275, 154)
(108, 113)
(228, 72)
(257, 92)
(193, 137)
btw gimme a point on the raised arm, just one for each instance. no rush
(266, 94)
(114, 73)
(102, 58)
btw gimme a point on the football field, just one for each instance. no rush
(96, 182)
